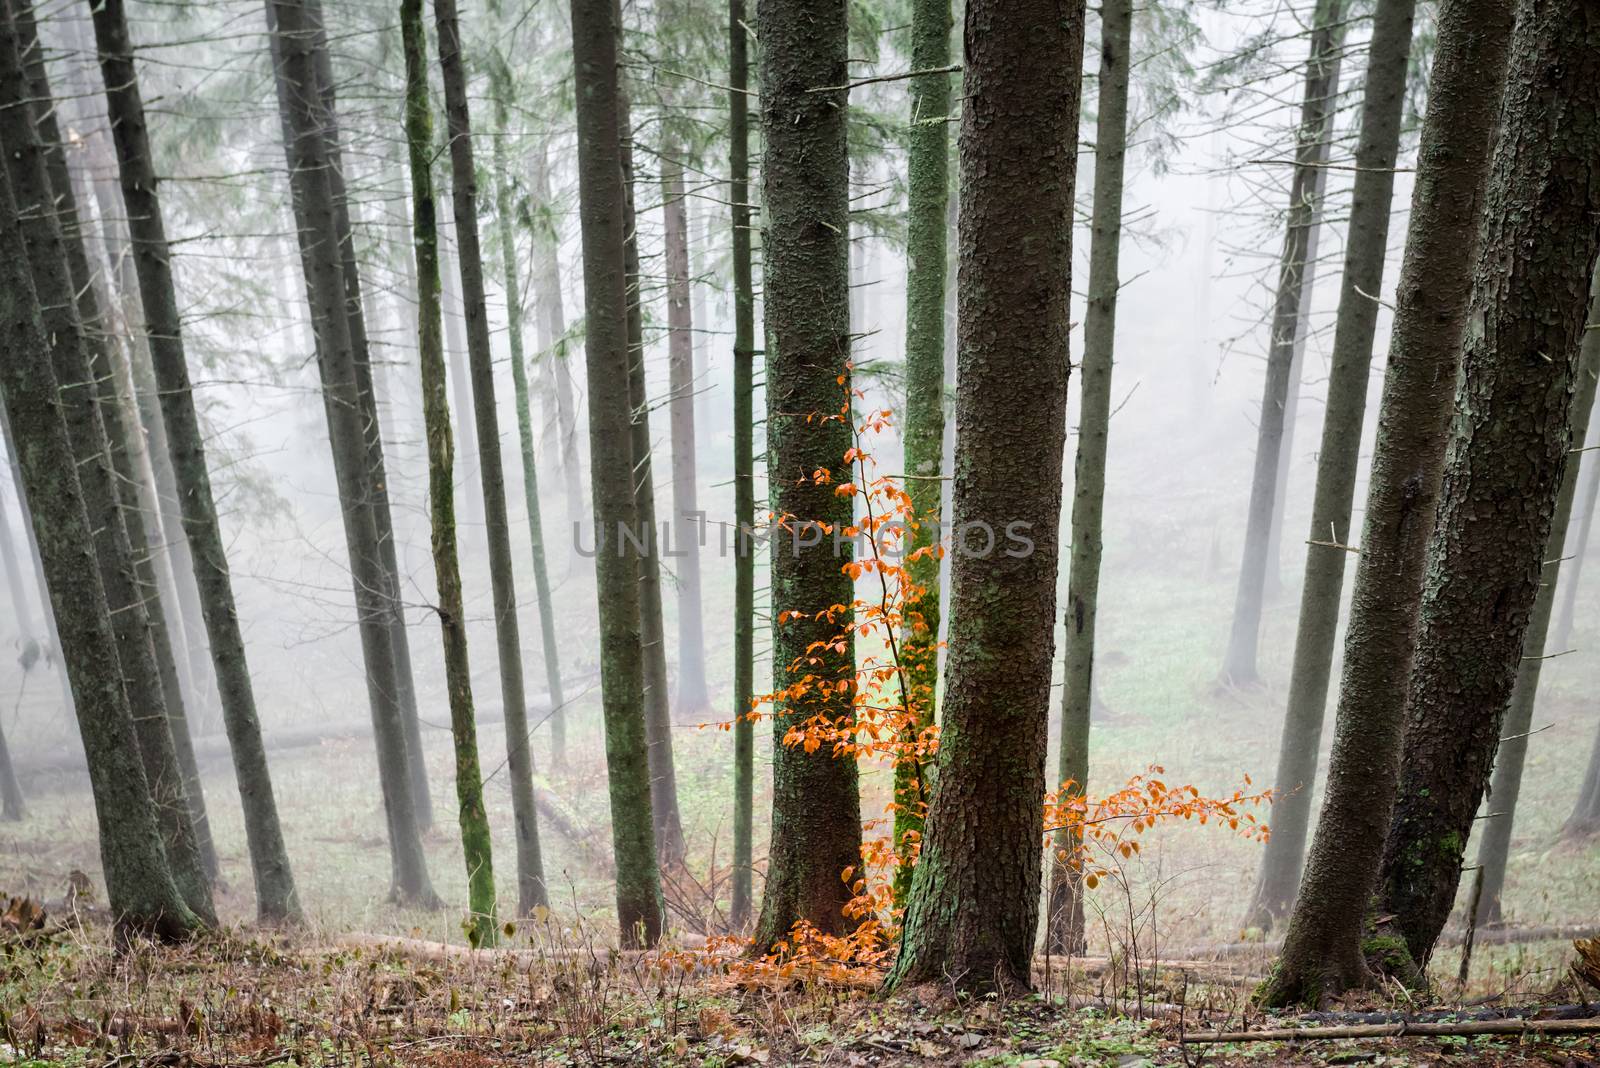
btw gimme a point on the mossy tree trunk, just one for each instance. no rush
(1064, 930)
(927, 267)
(531, 892)
(744, 490)
(1338, 459)
(816, 805)
(602, 206)
(473, 819)
(975, 896)
(1316, 124)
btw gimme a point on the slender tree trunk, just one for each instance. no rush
(602, 206)
(296, 36)
(139, 884)
(1338, 459)
(276, 900)
(11, 803)
(473, 819)
(1577, 548)
(25, 514)
(530, 471)
(1322, 952)
(692, 697)
(1584, 823)
(1513, 743)
(1316, 122)
(816, 805)
(744, 491)
(56, 255)
(531, 891)
(1065, 921)
(456, 355)
(1506, 459)
(975, 896)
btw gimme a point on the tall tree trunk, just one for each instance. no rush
(652, 631)
(51, 635)
(692, 697)
(519, 378)
(1322, 951)
(57, 258)
(473, 819)
(531, 892)
(139, 884)
(1065, 920)
(744, 490)
(1576, 549)
(927, 266)
(975, 895)
(1584, 823)
(1338, 459)
(276, 900)
(816, 804)
(296, 36)
(11, 803)
(1512, 750)
(1507, 455)
(1316, 124)
(456, 355)
(602, 206)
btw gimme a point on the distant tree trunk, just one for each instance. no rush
(55, 248)
(297, 35)
(139, 884)
(455, 354)
(1064, 933)
(652, 631)
(1512, 750)
(975, 895)
(12, 807)
(602, 206)
(1338, 459)
(1316, 122)
(928, 167)
(1577, 548)
(692, 697)
(519, 378)
(1584, 823)
(11, 803)
(816, 805)
(531, 892)
(25, 514)
(276, 900)
(744, 492)
(1507, 455)
(1322, 952)
(474, 821)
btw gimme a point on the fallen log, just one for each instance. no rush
(1402, 1029)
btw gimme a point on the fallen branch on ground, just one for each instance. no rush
(1402, 1029)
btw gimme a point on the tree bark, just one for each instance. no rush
(531, 892)
(1316, 123)
(1507, 455)
(139, 884)
(975, 895)
(744, 493)
(816, 806)
(296, 36)
(602, 205)
(1322, 953)
(1512, 750)
(1338, 459)
(1065, 920)
(473, 819)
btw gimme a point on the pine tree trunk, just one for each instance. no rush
(744, 492)
(816, 806)
(1322, 952)
(1338, 459)
(139, 884)
(602, 206)
(1577, 548)
(531, 892)
(1316, 123)
(50, 230)
(530, 470)
(927, 265)
(296, 36)
(1513, 743)
(473, 819)
(975, 895)
(1065, 920)
(1506, 458)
